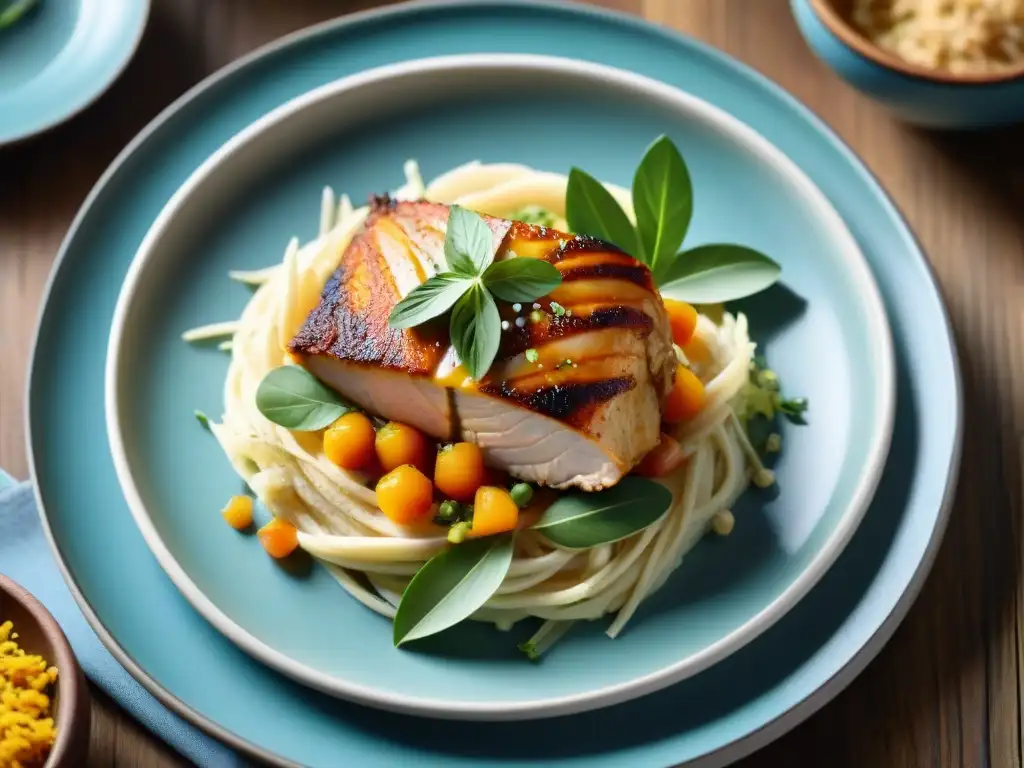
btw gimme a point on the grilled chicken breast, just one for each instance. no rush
(582, 413)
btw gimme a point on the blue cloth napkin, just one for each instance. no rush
(25, 557)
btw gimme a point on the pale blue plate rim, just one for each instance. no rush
(860, 281)
(798, 709)
(24, 123)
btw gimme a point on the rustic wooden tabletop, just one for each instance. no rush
(946, 690)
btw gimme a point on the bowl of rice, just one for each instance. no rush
(44, 703)
(948, 64)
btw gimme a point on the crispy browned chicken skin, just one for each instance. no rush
(583, 423)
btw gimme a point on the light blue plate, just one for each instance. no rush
(823, 329)
(740, 703)
(60, 57)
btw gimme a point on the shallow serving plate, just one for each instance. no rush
(60, 57)
(737, 705)
(824, 330)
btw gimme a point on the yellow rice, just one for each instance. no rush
(26, 726)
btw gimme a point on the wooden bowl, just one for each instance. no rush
(38, 633)
(916, 94)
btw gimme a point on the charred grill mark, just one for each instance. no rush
(515, 340)
(573, 403)
(578, 245)
(319, 333)
(350, 322)
(520, 230)
(380, 204)
(634, 273)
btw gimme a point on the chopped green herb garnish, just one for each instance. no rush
(202, 418)
(794, 409)
(521, 494)
(564, 364)
(458, 532)
(534, 214)
(548, 634)
(532, 355)
(448, 512)
(763, 402)
(557, 309)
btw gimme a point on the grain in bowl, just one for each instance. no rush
(27, 730)
(974, 37)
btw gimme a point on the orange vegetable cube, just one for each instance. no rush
(405, 494)
(349, 441)
(238, 512)
(399, 444)
(696, 351)
(459, 471)
(686, 397)
(494, 511)
(682, 318)
(279, 538)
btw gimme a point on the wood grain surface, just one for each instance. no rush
(946, 690)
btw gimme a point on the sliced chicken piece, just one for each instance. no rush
(581, 413)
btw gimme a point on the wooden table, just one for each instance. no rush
(946, 690)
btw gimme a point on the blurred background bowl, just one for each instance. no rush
(38, 633)
(915, 94)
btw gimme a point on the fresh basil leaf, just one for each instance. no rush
(521, 279)
(468, 245)
(591, 210)
(429, 299)
(709, 274)
(582, 520)
(291, 397)
(475, 331)
(451, 586)
(663, 200)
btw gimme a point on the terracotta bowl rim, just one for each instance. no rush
(854, 39)
(70, 684)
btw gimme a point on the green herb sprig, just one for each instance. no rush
(663, 202)
(469, 289)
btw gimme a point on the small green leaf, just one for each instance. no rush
(521, 279)
(709, 274)
(451, 586)
(591, 210)
(582, 520)
(429, 299)
(663, 199)
(291, 397)
(475, 331)
(468, 246)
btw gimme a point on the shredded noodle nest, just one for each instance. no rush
(374, 558)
